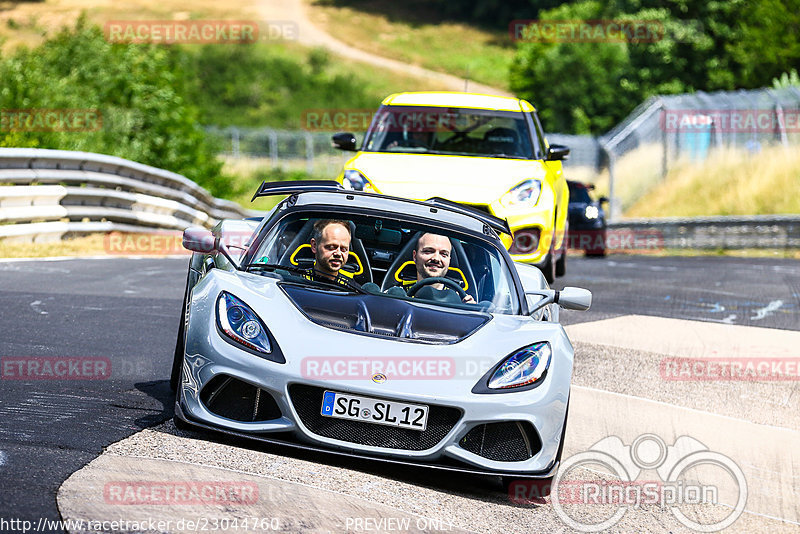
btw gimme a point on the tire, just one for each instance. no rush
(180, 345)
(561, 264)
(179, 423)
(180, 342)
(549, 266)
(549, 269)
(596, 253)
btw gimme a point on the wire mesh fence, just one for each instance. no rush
(285, 149)
(667, 130)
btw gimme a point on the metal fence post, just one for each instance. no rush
(613, 209)
(273, 148)
(665, 143)
(235, 142)
(309, 153)
(781, 125)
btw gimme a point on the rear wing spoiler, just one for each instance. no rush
(332, 186)
(300, 186)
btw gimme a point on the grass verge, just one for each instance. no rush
(729, 182)
(409, 32)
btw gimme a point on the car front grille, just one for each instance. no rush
(512, 441)
(228, 397)
(307, 401)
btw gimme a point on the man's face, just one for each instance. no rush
(332, 250)
(432, 256)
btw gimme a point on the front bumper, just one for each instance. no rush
(541, 410)
(287, 440)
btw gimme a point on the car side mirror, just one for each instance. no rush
(344, 141)
(575, 298)
(198, 239)
(570, 298)
(557, 152)
(601, 200)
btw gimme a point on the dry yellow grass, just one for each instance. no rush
(729, 182)
(455, 48)
(27, 23)
(114, 244)
(635, 174)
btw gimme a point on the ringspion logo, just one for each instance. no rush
(620, 483)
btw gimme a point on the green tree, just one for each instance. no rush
(145, 115)
(587, 87)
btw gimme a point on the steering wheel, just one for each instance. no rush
(447, 282)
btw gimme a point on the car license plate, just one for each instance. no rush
(367, 410)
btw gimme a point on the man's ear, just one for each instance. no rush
(414, 255)
(313, 243)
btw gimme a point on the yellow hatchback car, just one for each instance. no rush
(485, 152)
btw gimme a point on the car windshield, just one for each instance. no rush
(579, 195)
(452, 131)
(382, 259)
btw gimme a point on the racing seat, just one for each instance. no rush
(502, 141)
(402, 273)
(299, 254)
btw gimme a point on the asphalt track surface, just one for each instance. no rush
(124, 312)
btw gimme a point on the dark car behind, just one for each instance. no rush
(587, 220)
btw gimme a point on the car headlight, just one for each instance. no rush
(525, 367)
(527, 192)
(356, 181)
(592, 212)
(241, 324)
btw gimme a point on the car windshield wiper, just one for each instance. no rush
(506, 156)
(346, 283)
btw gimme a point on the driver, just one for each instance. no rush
(413, 139)
(432, 259)
(330, 243)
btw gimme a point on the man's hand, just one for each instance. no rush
(468, 299)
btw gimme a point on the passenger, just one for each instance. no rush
(432, 259)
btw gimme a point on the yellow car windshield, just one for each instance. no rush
(450, 131)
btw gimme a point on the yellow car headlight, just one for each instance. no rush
(527, 192)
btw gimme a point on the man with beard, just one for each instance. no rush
(330, 243)
(432, 259)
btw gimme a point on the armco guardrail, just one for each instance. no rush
(46, 194)
(730, 232)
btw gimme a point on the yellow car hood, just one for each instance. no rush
(471, 180)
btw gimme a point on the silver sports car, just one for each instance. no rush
(468, 370)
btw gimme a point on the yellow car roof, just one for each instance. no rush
(458, 100)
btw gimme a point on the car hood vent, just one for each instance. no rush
(375, 315)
